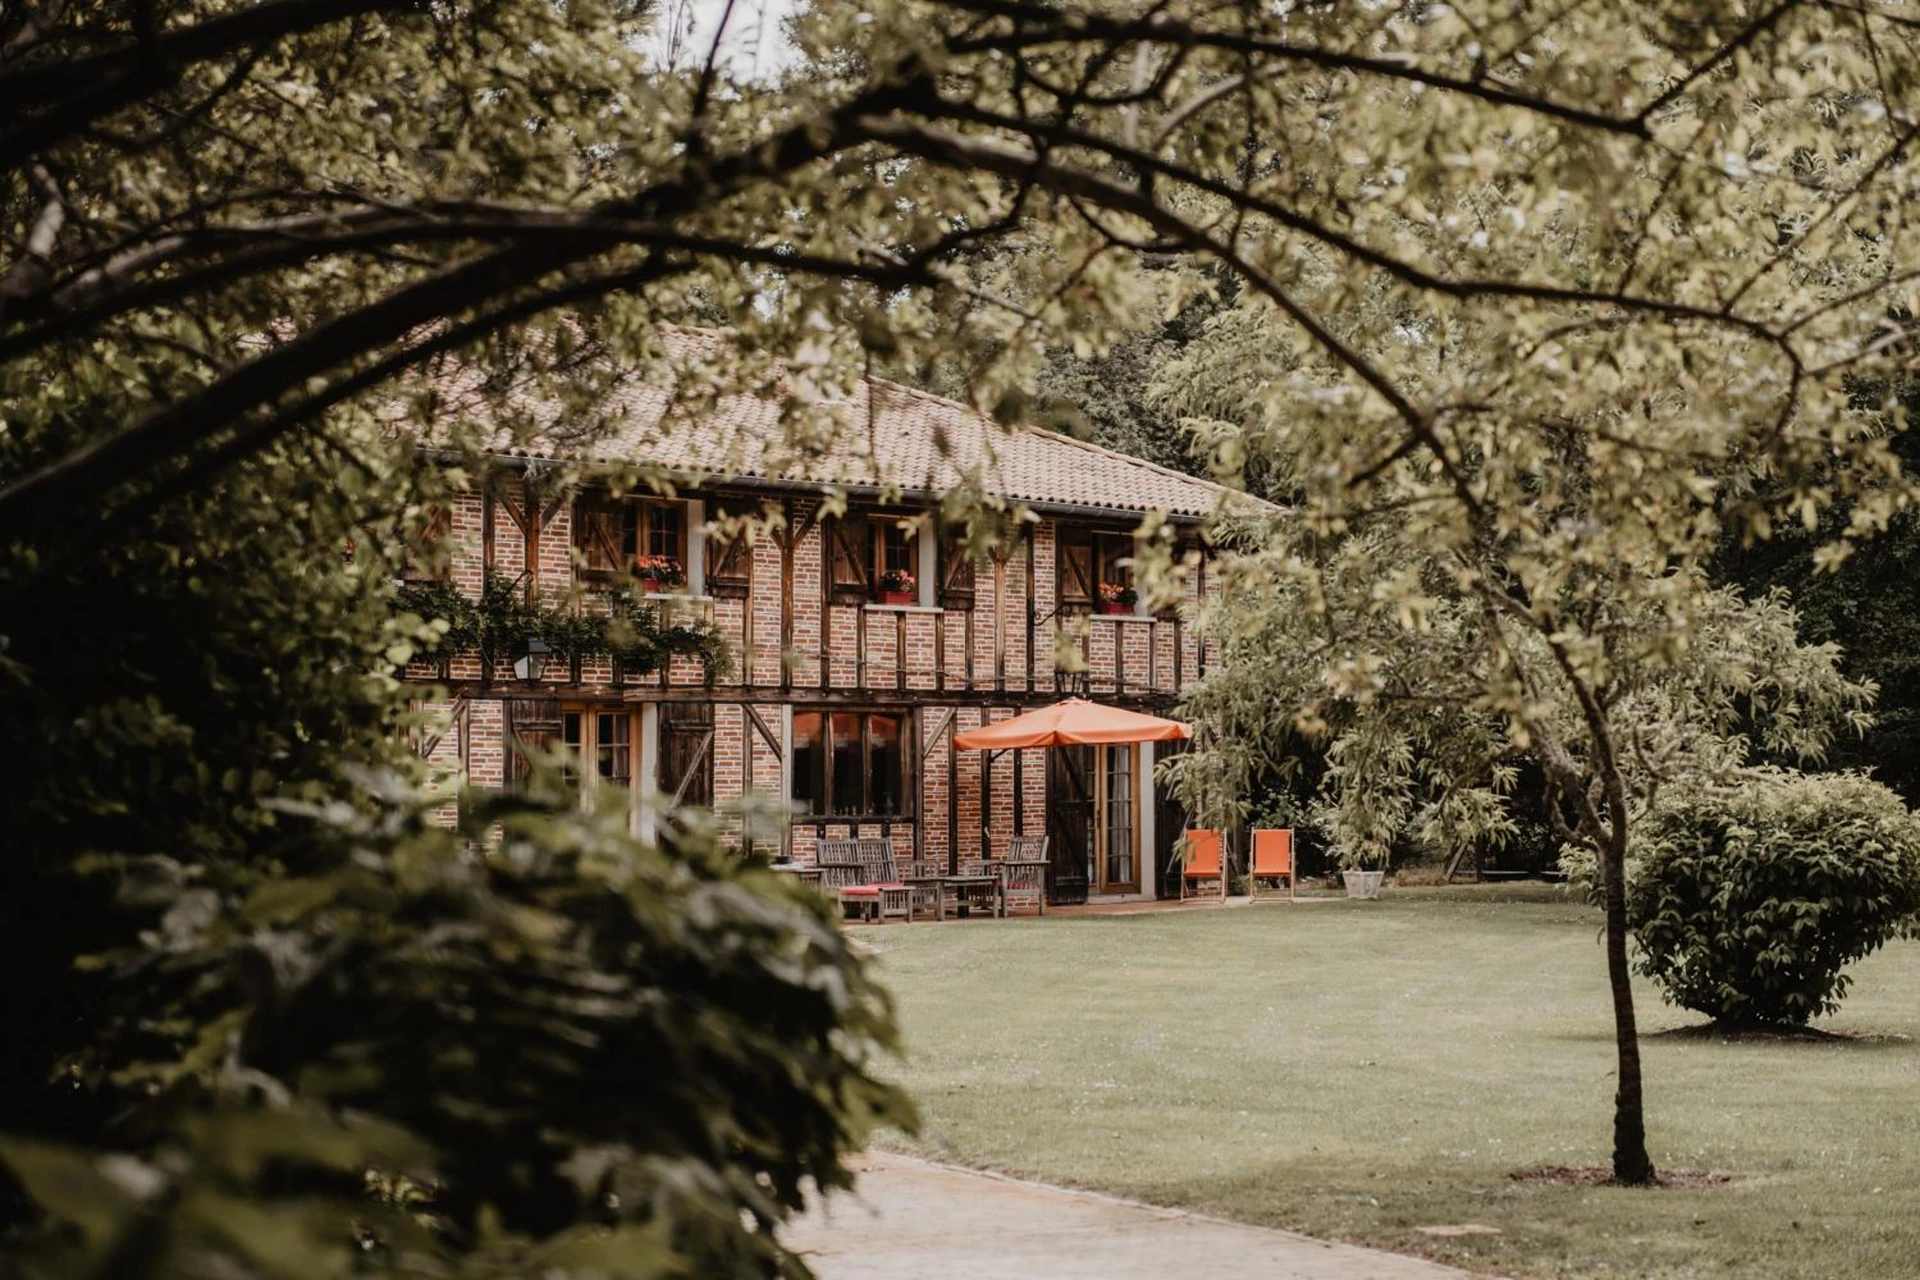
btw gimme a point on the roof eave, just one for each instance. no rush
(811, 488)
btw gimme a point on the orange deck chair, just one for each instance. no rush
(1272, 858)
(1203, 859)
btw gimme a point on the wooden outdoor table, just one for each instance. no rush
(965, 887)
(919, 884)
(806, 875)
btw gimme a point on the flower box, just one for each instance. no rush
(658, 574)
(895, 597)
(1114, 606)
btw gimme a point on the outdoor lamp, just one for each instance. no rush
(530, 660)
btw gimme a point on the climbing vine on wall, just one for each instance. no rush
(502, 620)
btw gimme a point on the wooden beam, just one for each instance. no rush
(877, 698)
(766, 731)
(945, 723)
(785, 539)
(1033, 611)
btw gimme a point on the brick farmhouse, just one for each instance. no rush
(848, 682)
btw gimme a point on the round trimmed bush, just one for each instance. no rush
(1748, 903)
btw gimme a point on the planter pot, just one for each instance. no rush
(652, 586)
(1116, 607)
(1363, 884)
(896, 597)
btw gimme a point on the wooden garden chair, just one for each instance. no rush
(1023, 874)
(926, 877)
(840, 870)
(1203, 860)
(1272, 859)
(850, 880)
(890, 897)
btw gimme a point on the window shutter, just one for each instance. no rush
(686, 754)
(1075, 569)
(532, 728)
(602, 530)
(849, 558)
(956, 575)
(729, 566)
(426, 553)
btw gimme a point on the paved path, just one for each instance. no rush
(910, 1219)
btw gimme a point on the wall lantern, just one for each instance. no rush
(530, 660)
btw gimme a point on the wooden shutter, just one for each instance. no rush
(956, 575)
(686, 754)
(1075, 569)
(531, 727)
(849, 558)
(729, 566)
(426, 553)
(603, 533)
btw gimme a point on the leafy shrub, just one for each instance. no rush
(572, 1055)
(1748, 903)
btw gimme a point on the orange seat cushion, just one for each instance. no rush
(861, 891)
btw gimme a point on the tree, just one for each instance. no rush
(1547, 282)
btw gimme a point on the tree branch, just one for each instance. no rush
(1063, 26)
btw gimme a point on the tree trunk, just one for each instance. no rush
(1631, 1163)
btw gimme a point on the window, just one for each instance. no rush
(595, 749)
(1116, 559)
(869, 553)
(611, 533)
(1085, 561)
(895, 550)
(665, 532)
(849, 764)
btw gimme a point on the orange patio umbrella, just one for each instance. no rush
(1071, 723)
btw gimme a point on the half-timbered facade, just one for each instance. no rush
(862, 639)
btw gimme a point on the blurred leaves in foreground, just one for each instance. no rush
(524, 1045)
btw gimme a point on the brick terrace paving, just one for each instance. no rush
(911, 1218)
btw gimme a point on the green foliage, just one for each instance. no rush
(1869, 606)
(159, 689)
(502, 619)
(552, 1049)
(1748, 902)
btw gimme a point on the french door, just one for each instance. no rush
(1093, 812)
(1118, 854)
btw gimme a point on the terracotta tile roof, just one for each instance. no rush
(878, 435)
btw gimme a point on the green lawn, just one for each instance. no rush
(1355, 1070)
